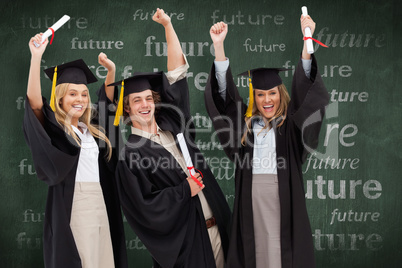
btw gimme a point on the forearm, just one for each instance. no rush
(34, 93)
(178, 73)
(306, 67)
(221, 68)
(175, 53)
(305, 55)
(219, 52)
(110, 78)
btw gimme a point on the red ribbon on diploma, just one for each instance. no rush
(315, 40)
(51, 40)
(194, 178)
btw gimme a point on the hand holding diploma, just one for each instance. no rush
(37, 51)
(189, 163)
(308, 27)
(52, 29)
(193, 182)
(307, 33)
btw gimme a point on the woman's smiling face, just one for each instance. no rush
(267, 101)
(76, 100)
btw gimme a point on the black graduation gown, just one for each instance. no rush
(308, 100)
(157, 200)
(55, 155)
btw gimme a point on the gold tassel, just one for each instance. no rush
(249, 111)
(119, 111)
(53, 94)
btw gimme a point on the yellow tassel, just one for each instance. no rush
(249, 111)
(53, 94)
(119, 111)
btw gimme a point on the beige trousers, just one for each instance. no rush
(216, 244)
(90, 226)
(267, 223)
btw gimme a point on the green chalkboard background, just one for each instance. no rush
(363, 60)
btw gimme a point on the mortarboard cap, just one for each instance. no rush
(75, 72)
(261, 78)
(137, 83)
(264, 78)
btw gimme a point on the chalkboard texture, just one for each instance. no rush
(353, 189)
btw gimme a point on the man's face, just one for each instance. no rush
(142, 108)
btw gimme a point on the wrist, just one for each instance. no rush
(305, 55)
(167, 24)
(36, 58)
(218, 44)
(219, 52)
(111, 69)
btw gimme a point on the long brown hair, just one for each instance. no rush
(280, 114)
(62, 118)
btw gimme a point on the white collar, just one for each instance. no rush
(145, 134)
(82, 126)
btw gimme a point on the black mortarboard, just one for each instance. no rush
(261, 78)
(135, 84)
(75, 72)
(264, 78)
(139, 82)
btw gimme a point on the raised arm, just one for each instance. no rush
(175, 54)
(218, 33)
(111, 73)
(309, 97)
(224, 105)
(306, 21)
(34, 93)
(175, 92)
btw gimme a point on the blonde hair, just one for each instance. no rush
(280, 114)
(62, 118)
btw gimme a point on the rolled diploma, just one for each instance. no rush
(307, 32)
(186, 156)
(55, 27)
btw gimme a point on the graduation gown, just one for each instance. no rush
(156, 197)
(55, 155)
(298, 133)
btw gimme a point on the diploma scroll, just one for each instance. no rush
(187, 158)
(54, 27)
(307, 33)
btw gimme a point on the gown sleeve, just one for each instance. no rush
(309, 99)
(103, 116)
(227, 115)
(54, 152)
(159, 216)
(104, 109)
(174, 109)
